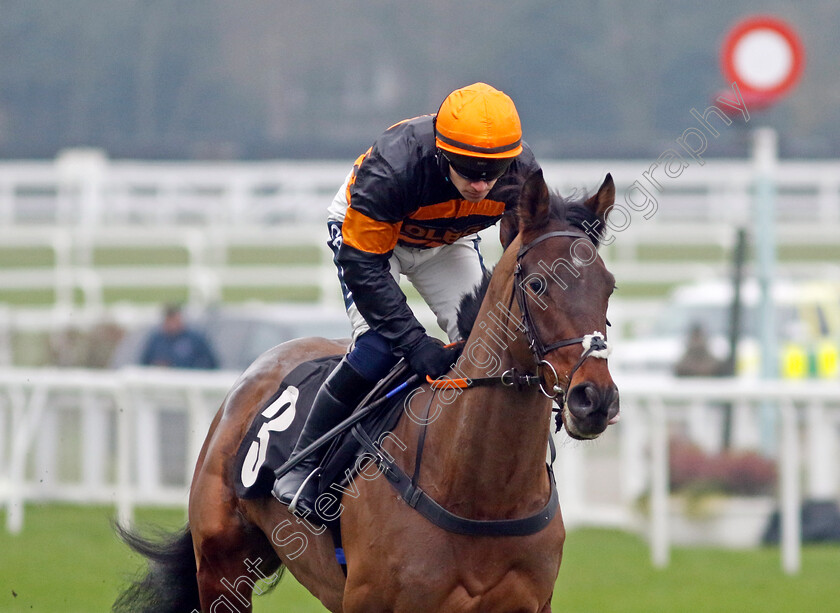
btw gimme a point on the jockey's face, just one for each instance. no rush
(473, 191)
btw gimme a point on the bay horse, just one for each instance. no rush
(540, 317)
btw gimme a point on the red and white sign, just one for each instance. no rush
(764, 56)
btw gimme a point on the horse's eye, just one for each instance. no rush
(536, 285)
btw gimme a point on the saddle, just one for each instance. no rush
(273, 433)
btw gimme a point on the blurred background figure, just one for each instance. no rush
(175, 345)
(698, 360)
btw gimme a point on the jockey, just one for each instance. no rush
(412, 205)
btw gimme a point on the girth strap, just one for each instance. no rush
(421, 502)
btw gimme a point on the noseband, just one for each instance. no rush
(594, 345)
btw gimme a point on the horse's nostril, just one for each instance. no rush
(582, 399)
(587, 399)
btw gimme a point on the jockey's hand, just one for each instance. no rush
(431, 358)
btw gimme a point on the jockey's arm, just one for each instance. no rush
(379, 298)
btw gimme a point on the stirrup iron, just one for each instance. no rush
(293, 504)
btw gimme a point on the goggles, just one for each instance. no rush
(491, 173)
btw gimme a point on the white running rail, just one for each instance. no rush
(131, 438)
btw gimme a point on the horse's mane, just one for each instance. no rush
(577, 215)
(470, 303)
(569, 212)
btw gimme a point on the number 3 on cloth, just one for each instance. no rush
(254, 459)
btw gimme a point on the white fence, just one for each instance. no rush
(74, 277)
(69, 210)
(83, 187)
(803, 416)
(103, 427)
(131, 438)
(207, 267)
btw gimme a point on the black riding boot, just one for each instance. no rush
(333, 403)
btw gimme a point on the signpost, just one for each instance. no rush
(765, 57)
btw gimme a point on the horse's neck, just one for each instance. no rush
(489, 444)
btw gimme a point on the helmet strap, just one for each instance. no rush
(443, 164)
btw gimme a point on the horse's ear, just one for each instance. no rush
(601, 202)
(508, 228)
(534, 202)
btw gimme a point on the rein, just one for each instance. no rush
(594, 345)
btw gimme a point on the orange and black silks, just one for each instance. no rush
(400, 193)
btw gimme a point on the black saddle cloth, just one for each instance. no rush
(272, 435)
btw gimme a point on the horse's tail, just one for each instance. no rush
(170, 584)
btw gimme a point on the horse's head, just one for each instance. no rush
(562, 288)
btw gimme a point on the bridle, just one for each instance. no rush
(594, 345)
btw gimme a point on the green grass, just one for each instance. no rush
(25, 257)
(644, 290)
(271, 294)
(681, 253)
(611, 572)
(163, 257)
(809, 253)
(140, 256)
(254, 256)
(26, 298)
(68, 560)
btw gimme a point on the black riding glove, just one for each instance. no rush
(431, 358)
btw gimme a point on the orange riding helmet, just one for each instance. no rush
(477, 129)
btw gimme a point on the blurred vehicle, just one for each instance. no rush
(240, 334)
(807, 322)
